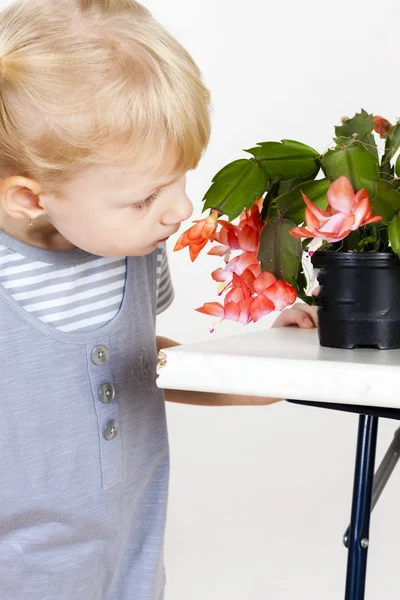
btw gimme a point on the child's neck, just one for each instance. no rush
(41, 233)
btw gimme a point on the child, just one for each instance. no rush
(102, 113)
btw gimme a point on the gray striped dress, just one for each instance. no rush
(82, 296)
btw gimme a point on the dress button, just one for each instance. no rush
(110, 430)
(99, 355)
(106, 393)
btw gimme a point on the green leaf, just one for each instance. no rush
(355, 163)
(386, 201)
(362, 123)
(392, 144)
(397, 166)
(394, 234)
(286, 160)
(279, 252)
(286, 186)
(291, 205)
(236, 187)
(360, 127)
(279, 188)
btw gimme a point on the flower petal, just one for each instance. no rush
(212, 308)
(382, 126)
(245, 308)
(347, 226)
(335, 224)
(182, 242)
(248, 278)
(373, 220)
(301, 232)
(209, 227)
(219, 250)
(313, 224)
(235, 295)
(241, 262)
(341, 195)
(281, 294)
(264, 281)
(260, 307)
(232, 311)
(221, 275)
(318, 213)
(195, 249)
(363, 209)
(195, 232)
(255, 269)
(249, 239)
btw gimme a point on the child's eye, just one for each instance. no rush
(147, 202)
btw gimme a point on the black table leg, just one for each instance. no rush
(361, 508)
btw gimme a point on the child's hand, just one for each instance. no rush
(301, 315)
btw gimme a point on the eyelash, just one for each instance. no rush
(148, 202)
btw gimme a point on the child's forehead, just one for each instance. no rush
(148, 173)
(143, 175)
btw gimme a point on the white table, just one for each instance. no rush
(289, 363)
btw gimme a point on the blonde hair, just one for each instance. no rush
(95, 81)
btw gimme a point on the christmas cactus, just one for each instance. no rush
(288, 197)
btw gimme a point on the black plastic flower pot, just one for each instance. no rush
(358, 300)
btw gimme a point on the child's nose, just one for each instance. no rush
(179, 211)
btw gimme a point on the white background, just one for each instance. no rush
(260, 497)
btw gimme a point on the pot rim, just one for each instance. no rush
(323, 258)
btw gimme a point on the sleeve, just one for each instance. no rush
(165, 291)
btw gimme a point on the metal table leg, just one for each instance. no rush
(382, 475)
(361, 508)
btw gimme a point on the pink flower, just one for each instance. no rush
(237, 304)
(237, 265)
(197, 236)
(280, 293)
(244, 236)
(249, 294)
(251, 297)
(382, 126)
(346, 212)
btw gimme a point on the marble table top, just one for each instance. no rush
(284, 363)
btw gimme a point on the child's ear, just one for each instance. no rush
(19, 197)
